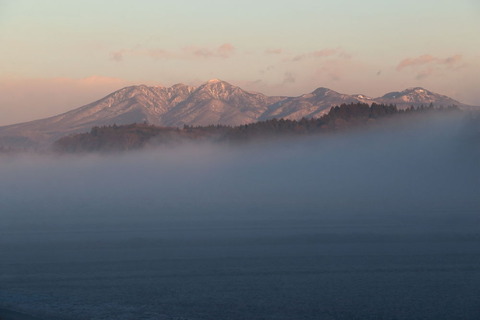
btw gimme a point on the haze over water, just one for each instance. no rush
(380, 223)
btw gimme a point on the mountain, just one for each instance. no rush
(417, 96)
(139, 135)
(127, 105)
(214, 102)
(308, 105)
(218, 102)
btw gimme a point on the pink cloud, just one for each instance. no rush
(427, 65)
(411, 62)
(428, 59)
(223, 51)
(324, 53)
(274, 51)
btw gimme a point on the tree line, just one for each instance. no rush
(138, 135)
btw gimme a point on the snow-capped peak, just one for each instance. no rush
(213, 102)
(363, 97)
(322, 91)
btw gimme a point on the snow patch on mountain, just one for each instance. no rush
(213, 102)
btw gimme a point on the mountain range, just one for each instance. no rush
(214, 102)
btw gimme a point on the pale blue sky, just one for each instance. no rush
(275, 47)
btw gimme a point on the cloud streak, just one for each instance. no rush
(223, 51)
(274, 51)
(324, 53)
(427, 59)
(427, 65)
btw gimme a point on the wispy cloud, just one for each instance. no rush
(223, 51)
(427, 65)
(274, 51)
(323, 53)
(418, 61)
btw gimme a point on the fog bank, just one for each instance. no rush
(429, 166)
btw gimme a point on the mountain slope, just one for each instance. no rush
(128, 105)
(308, 105)
(218, 102)
(214, 102)
(415, 97)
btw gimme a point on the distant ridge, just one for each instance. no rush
(136, 136)
(213, 102)
(417, 96)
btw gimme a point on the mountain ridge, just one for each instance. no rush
(213, 102)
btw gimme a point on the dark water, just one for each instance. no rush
(374, 225)
(257, 270)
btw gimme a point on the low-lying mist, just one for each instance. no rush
(423, 168)
(362, 185)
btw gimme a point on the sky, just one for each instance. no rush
(59, 55)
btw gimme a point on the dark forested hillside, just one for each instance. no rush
(136, 136)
